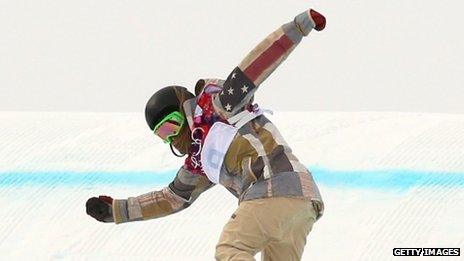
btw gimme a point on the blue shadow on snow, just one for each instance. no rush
(363, 179)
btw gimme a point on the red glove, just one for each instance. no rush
(319, 20)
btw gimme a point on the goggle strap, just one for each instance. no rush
(174, 152)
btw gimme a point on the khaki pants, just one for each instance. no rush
(276, 226)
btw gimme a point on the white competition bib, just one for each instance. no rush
(218, 141)
(215, 147)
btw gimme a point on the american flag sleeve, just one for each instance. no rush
(180, 194)
(241, 84)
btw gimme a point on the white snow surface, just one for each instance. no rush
(48, 221)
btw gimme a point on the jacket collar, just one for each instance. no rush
(189, 109)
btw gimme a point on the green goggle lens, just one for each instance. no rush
(170, 126)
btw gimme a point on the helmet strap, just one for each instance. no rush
(174, 152)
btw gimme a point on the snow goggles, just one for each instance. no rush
(170, 126)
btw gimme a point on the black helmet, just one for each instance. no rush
(165, 101)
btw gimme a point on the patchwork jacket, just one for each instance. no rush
(258, 162)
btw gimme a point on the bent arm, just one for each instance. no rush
(180, 194)
(241, 84)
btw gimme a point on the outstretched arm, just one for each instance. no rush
(180, 194)
(265, 58)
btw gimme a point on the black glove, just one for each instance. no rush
(100, 208)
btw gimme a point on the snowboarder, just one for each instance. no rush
(229, 141)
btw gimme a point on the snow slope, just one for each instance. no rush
(388, 180)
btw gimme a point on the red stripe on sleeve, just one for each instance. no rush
(268, 57)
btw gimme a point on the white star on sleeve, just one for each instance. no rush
(244, 88)
(231, 91)
(228, 107)
(233, 75)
